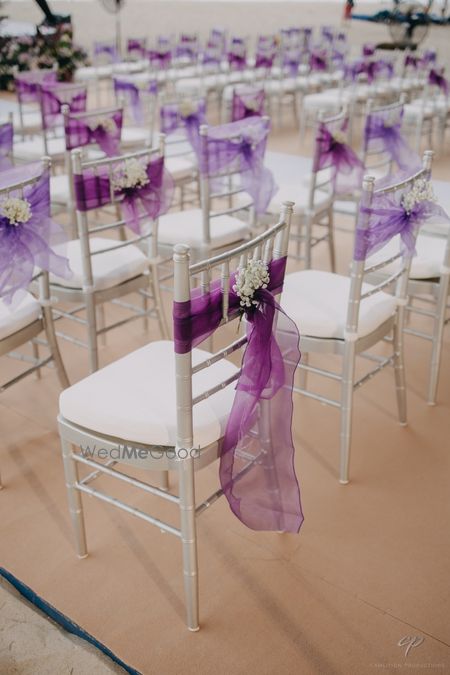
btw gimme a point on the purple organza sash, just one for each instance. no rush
(371, 69)
(28, 85)
(438, 79)
(264, 60)
(53, 100)
(173, 118)
(247, 104)
(331, 153)
(133, 94)
(137, 45)
(318, 61)
(109, 50)
(160, 58)
(388, 138)
(151, 200)
(368, 49)
(291, 60)
(257, 472)
(412, 61)
(242, 146)
(388, 218)
(30, 244)
(237, 61)
(6, 145)
(104, 130)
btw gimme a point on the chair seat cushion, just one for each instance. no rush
(186, 227)
(15, 317)
(413, 110)
(298, 193)
(427, 262)
(134, 398)
(59, 188)
(92, 73)
(135, 136)
(318, 301)
(180, 168)
(34, 148)
(109, 269)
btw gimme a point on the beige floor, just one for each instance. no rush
(370, 566)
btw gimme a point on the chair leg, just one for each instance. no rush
(92, 332)
(438, 332)
(35, 348)
(346, 411)
(308, 247)
(54, 348)
(101, 320)
(189, 540)
(159, 305)
(331, 240)
(399, 370)
(164, 480)
(303, 374)
(74, 498)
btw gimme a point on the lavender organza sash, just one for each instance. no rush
(388, 138)
(160, 58)
(30, 244)
(28, 84)
(137, 46)
(263, 493)
(237, 61)
(242, 145)
(6, 145)
(291, 60)
(52, 103)
(264, 60)
(151, 200)
(105, 131)
(318, 61)
(133, 94)
(173, 118)
(247, 104)
(438, 79)
(108, 50)
(388, 218)
(331, 153)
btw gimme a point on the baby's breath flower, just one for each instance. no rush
(106, 123)
(132, 175)
(421, 191)
(187, 108)
(16, 210)
(339, 136)
(249, 279)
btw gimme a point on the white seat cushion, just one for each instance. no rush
(15, 317)
(298, 193)
(412, 110)
(135, 136)
(34, 148)
(59, 188)
(109, 269)
(318, 302)
(92, 73)
(425, 265)
(180, 168)
(134, 398)
(328, 98)
(186, 227)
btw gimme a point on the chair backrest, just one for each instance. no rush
(140, 94)
(6, 143)
(228, 155)
(247, 101)
(216, 278)
(180, 121)
(105, 52)
(53, 98)
(374, 232)
(322, 177)
(137, 47)
(28, 90)
(118, 181)
(376, 155)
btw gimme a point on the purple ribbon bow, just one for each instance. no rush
(137, 45)
(247, 104)
(264, 60)
(79, 133)
(256, 472)
(52, 103)
(389, 218)
(368, 49)
(438, 79)
(108, 50)
(332, 153)
(28, 85)
(237, 61)
(160, 58)
(241, 144)
(6, 145)
(152, 199)
(318, 61)
(133, 93)
(29, 244)
(172, 119)
(388, 137)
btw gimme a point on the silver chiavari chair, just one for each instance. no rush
(347, 316)
(226, 214)
(26, 320)
(107, 268)
(174, 417)
(138, 93)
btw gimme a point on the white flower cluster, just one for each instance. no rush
(16, 210)
(251, 104)
(249, 279)
(187, 108)
(131, 175)
(339, 137)
(106, 123)
(421, 191)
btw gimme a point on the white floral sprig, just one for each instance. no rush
(339, 137)
(249, 279)
(16, 210)
(187, 108)
(131, 175)
(421, 191)
(106, 123)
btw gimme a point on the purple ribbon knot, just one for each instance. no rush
(333, 153)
